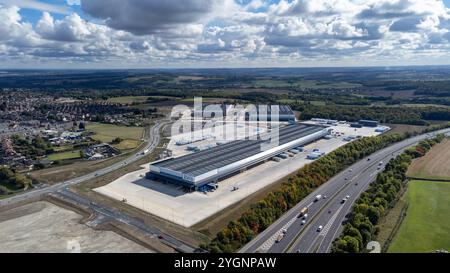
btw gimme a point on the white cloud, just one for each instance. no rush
(70, 29)
(73, 2)
(32, 4)
(227, 33)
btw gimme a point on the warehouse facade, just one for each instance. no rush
(196, 170)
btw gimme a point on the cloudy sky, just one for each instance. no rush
(222, 33)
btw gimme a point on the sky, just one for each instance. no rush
(72, 34)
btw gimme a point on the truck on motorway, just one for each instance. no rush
(317, 198)
(280, 237)
(303, 211)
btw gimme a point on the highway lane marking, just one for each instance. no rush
(351, 206)
(271, 241)
(330, 222)
(323, 233)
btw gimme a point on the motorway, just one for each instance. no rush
(327, 212)
(153, 141)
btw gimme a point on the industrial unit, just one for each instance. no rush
(203, 169)
(264, 112)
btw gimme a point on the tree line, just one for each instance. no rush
(11, 180)
(376, 201)
(396, 115)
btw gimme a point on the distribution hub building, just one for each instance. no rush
(196, 170)
(263, 112)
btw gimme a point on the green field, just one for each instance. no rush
(427, 222)
(312, 84)
(107, 132)
(65, 155)
(129, 99)
(127, 144)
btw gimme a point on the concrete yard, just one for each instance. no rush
(220, 132)
(46, 228)
(173, 204)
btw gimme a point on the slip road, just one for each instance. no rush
(225, 263)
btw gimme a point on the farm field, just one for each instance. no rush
(425, 228)
(403, 128)
(137, 99)
(129, 99)
(313, 84)
(434, 165)
(108, 132)
(65, 155)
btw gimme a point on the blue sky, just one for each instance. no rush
(222, 33)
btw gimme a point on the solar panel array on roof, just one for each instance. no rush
(223, 155)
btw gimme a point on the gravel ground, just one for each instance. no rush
(45, 227)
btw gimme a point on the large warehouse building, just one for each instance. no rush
(195, 171)
(263, 112)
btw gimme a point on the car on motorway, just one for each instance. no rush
(345, 199)
(317, 198)
(303, 222)
(305, 216)
(381, 163)
(284, 231)
(319, 229)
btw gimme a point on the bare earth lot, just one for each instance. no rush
(45, 227)
(435, 165)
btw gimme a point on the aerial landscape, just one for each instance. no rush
(253, 126)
